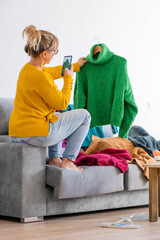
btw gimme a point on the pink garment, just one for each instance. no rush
(64, 143)
(109, 156)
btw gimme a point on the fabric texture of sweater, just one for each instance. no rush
(37, 99)
(139, 156)
(107, 157)
(103, 88)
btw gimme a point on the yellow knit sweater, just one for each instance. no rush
(37, 99)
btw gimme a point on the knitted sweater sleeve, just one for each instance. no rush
(50, 93)
(55, 72)
(130, 107)
(80, 90)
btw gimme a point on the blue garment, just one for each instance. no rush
(96, 131)
(141, 138)
(114, 129)
(70, 107)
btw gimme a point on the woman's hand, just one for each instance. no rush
(69, 72)
(81, 61)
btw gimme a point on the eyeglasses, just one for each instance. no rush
(50, 50)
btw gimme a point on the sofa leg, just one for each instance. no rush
(31, 219)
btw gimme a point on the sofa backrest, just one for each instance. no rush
(6, 107)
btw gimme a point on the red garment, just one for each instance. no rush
(109, 156)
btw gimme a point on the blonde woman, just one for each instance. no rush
(34, 119)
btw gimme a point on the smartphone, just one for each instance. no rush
(67, 61)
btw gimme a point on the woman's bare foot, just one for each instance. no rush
(55, 161)
(68, 164)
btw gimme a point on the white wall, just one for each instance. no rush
(130, 28)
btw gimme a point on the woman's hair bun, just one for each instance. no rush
(33, 37)
(38, 41)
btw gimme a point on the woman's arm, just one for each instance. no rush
(56, 71)
(49, 92)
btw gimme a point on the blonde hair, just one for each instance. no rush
(38, 40)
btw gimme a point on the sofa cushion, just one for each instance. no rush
(134, 179)
(6, 107)
(5, 138)
(92, 181)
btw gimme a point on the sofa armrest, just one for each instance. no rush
(22, 180)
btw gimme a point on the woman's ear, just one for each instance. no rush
(44, 54)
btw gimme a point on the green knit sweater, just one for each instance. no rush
(103, 88)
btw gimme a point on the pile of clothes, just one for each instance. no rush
(140, 145)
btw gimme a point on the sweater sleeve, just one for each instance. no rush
(50, 93)
(130, 108)
(55, 72)
(80, 90)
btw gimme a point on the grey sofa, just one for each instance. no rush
(30, 189)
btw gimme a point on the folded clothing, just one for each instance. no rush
(115, 157)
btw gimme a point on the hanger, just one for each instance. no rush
(97, 48)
